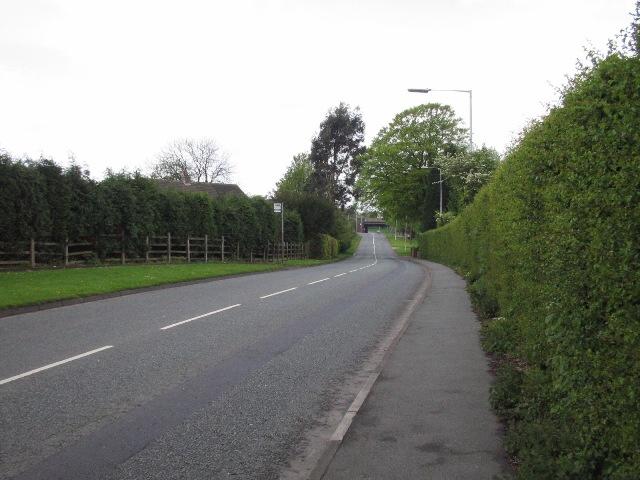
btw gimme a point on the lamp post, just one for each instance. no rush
(427, 90)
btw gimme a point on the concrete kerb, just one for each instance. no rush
(375, 364)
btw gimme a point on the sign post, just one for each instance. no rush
(279, 208)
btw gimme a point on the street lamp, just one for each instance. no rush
(427, 90)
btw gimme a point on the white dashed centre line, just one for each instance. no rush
(200, 316)
(340, 274)
(51, 365)
(318, 281)
(278, 293)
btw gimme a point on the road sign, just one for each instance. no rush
(277, 208)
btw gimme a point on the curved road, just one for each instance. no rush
(214, 380)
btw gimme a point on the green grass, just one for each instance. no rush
(399, 245)
(34, 287)
(40, 286)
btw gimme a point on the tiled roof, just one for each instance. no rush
(373, 220)
(214, 190)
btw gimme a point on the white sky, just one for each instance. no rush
(114, 81)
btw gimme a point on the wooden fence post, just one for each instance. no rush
(222, 249)
(32, 252)
(169, 246)
(122, 249)
(146, 253)
(188, 248)
(206, 248)
(237, 251)
(66, 252)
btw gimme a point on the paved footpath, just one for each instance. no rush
(428, 415)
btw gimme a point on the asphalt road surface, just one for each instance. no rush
(214, 380)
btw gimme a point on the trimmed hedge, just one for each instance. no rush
(44, 201)
(552, 244)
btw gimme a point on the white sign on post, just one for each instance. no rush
(277, 208)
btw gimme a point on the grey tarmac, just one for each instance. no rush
(229, 393)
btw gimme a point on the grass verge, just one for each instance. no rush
(399, 245)
(24, 288)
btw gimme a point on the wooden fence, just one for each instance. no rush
(117, 248)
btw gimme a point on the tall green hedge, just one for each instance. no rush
(552, 245)
(45, 201)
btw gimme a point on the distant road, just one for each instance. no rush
(213, 380)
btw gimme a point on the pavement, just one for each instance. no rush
(428, 415)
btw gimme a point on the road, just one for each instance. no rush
(213, 380)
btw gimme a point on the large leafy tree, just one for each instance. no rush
(297, 177)
(465, 173)
(397, 174)
(335, 155)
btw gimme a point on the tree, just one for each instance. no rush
(190, 160)
(297, 177)
(57, 193)
(82, 208)
(466, 173)
(393, 176)
(25, 212)
(334, 155)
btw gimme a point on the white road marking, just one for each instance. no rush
(354, 270)
(374, 251)
(200, 316)
(51, 365)
(278, 293)
(318, 281)
(340, 274)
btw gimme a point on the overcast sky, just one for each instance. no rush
(113, 81)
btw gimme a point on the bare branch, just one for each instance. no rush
(187, 160)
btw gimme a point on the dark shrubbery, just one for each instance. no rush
(44, 201)
(324, 247)
(319, 217)
(552, 244)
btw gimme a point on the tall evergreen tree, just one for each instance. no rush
(334, 155)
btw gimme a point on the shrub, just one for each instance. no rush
(293, 230)
(506, 391)
(551, 244)
(343, 232)
(500, 336)
(323, 246)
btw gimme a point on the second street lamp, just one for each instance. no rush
(427, 90)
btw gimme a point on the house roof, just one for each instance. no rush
(214, 190)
